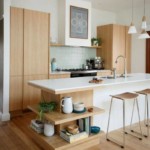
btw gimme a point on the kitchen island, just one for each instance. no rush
(93, 95)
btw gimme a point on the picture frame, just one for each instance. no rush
(78, 22)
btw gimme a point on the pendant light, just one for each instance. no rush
(144, 34)
(132, 28)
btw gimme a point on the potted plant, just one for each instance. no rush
(96, 41)
(46, 106)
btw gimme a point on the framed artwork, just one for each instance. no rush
(78, 22)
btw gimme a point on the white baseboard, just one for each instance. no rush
(4, 117)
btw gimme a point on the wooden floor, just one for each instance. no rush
(14, 135)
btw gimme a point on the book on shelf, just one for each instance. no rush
(71, 138)
(37, 126)
(84, 124)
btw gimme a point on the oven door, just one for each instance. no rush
(74, 75)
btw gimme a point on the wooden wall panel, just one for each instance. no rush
(16, 93)
(16, 41)
(118, 47)
(114, 44)
(36, 43)
(31, 95)
(105, 32)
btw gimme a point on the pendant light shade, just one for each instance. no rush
(132, 28)
(144, 35)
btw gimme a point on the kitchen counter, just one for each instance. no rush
(58, 86)
(98, 95)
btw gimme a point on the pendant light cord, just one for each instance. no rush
(144, 7)
(132, 10)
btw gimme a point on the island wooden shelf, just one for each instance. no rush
(61, 45)
(55, 142)
(59, 118)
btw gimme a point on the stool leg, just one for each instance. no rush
(147, 116)
(123, 124)
(109, 119)
(132, 116)
(139, 118)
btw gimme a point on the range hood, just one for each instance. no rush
(74, 22)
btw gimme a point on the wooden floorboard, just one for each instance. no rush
(14, 135)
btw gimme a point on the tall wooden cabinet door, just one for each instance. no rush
(15, 93)
(118, 47)
(31, 94)
(105, 33)
(128, 50)
(16, 41)
(36, 42)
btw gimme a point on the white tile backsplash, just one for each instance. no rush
(71, 57)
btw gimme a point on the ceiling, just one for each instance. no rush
(117, 5)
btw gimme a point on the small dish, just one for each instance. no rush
(95, 129)
(84, 110)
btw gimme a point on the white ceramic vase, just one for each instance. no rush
(49, 129)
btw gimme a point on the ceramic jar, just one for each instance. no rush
(49, 129)
(66, 104)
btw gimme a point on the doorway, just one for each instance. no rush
(148, 54)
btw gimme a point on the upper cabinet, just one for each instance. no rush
(29, 55)
(16, 42)
(116, 41)
(36, 41)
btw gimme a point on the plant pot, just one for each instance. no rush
(49, 129)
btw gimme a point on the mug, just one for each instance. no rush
(66, 104)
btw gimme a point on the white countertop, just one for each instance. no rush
(66, 85)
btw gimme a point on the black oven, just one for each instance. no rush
(81, 72)
(88, 74)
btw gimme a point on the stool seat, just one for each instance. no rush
(125, 96)
(144, 92)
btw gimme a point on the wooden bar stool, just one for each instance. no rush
(124, 97)
(146, 92)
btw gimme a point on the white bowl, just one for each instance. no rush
(78, 106)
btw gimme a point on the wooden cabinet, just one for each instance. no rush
(116, 41)
(16, 90)
(29, 55)
(36, 43)
(58, 76)
(16, 42)
(104, 73)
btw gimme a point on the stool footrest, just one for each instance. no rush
(115, 141)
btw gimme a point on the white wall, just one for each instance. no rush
(138, 51)
(100, 17)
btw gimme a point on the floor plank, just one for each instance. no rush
(15, 135)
